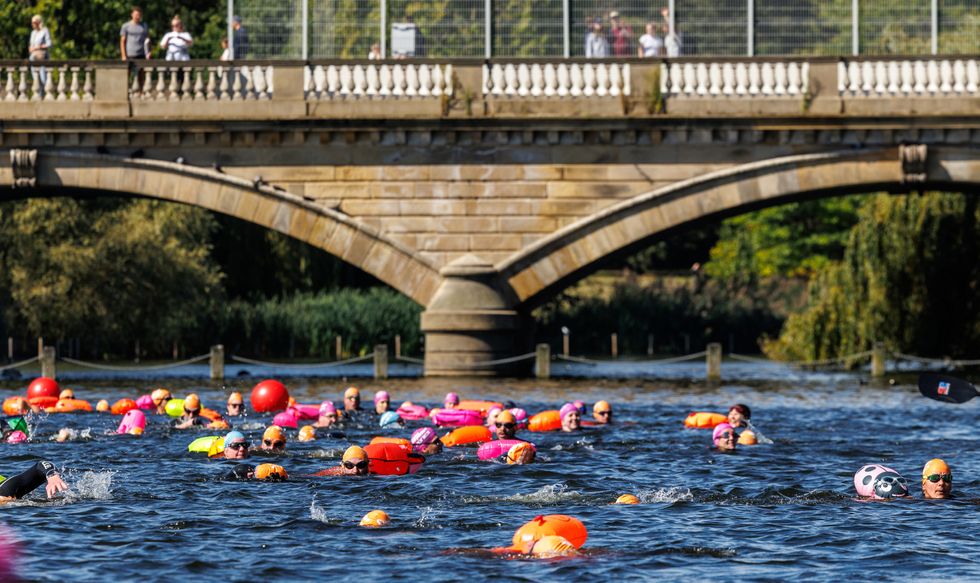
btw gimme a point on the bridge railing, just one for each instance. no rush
(467, 88)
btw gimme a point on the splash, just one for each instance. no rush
(665, 495)
(425, 518)
(317, 512)
(551, 494)
(92, 486)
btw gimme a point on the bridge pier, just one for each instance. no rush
(469, 324)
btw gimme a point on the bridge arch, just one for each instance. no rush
(568, 255)
(68, 172)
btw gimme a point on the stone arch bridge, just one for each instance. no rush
(478, 202)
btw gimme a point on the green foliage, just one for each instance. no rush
(309, 324)
(909, 278)
(106, 269)
(791, 240)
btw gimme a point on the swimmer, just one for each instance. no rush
(160, 398)
(425, 441)
(739, 415)
(937, 480)
(19, 406)
(236, 405)
(521, 454)
(390, 419)
(307, 433)
(580, 405)
(264, 472)
(354, 463)
(571, 419)
(192, 413)
(451, 401)
(724, 437)
(375, 519)
(506, 425)
(236, 446)
(352, 399)
(382, 402)
(273, 440)
(328, 415)
(492, 416)
(26, 482)
(66, 394)
(102, 406)
(602, 413)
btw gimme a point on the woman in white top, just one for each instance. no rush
(651, 45)
(177, 42)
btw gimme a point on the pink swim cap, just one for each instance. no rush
(381, 396)
(566, 409)
(520, 415)
(580, 405)
(422, 437)
(327, 408)
(491, 414)
(451, 398)
(17, 437)
(719, 429)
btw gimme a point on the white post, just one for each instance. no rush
(566, 28)
(935, 27)
(384, 32)
(306, 29)
(673, 21)
(855, 39)
(487, 28)
(231, 28)
(750, 18)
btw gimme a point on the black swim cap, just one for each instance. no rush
(241, 472)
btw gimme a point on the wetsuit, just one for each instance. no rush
(239, 472)
(196, 421)
(26, 482)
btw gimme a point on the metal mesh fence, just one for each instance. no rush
(343, 29)
(959, 27)
(528, 28)
(535, 28)
(802, 28)
(886, 28)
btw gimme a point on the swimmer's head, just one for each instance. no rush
(580, 405)
(19, 405)
(724, 436)
(390, 419)
(520, 454)
(327, 409)
(747, 438)
(66, 394)
(492, 415)
(102, 406)
(627, 499)
(937, 479)
(375, 519)
(739, 415)
(159, 396)
(17, 437)
(273, 438)
(355, 461)
(552, 545)
(235, 398)
(307, 433)
(451, 400)
(352, 398)
(424, 440)
(235, 446)
(506, 425)
(602, 412)
(354, 453)
(271, 472)
(379, 397)
(571, 419)
(192, 404)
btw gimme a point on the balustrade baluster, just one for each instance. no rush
(793, 83)
(371, 80)
(22, 85)
(333, 81)
(932, 73)
(588, 80)
(346, 80)
(397, 80)
(894, 78)
(741, 79)
(411, 81)
(959, 76)
(768, 79)
(62, 83)
(945, 77)
(510, 80)
(360, 81)
(523, 80)
(601, 80)
(425, 79)
(921, 77)
(716, 85)
(564, 79)
(881, 78)
(755, 78)
(73, 88)
(616, 84)
(576, 80)
(385, 76)
(537, 80)
(972, 76)
(88, 86)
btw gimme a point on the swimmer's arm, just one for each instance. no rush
(55, 484)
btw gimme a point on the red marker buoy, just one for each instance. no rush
(43, 387)
(270, 396)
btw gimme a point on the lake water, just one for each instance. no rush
(145, 508)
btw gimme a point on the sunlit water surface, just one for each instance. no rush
(145, 508)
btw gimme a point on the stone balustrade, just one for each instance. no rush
(378, 81)
(919, 77)
(188, 81)
(49, 82)
(557, 79)
(735, 79)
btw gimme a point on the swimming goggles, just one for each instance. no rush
(948, 478)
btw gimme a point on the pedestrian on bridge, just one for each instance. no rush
(38, 47)
(596, 46)
(177, 42)
(134, 37)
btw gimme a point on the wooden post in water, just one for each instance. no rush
(649, 344)
(217, 362)
(10, 348)
(398, 346)
(564, 341)
(542, 361)
(339, 347)
(381, 361)
(878, 357)
(40, 347)
(614, 344)
(137, 351)
(713, 358)
(47, 362)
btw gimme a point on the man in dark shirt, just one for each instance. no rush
(239, 39)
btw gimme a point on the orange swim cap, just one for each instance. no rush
(235, 398)
(270, 472)
(355, 453)
(627, 499)
(352, 392)
(159, 395)
(192, 402)
(521, 453)
(747, 438)
(66, 394)
(552, 545)
(102, 406)
(273, 433)
(375, 518)
(307, 433)
(506, 417)
(935, 466)
(601, 406)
